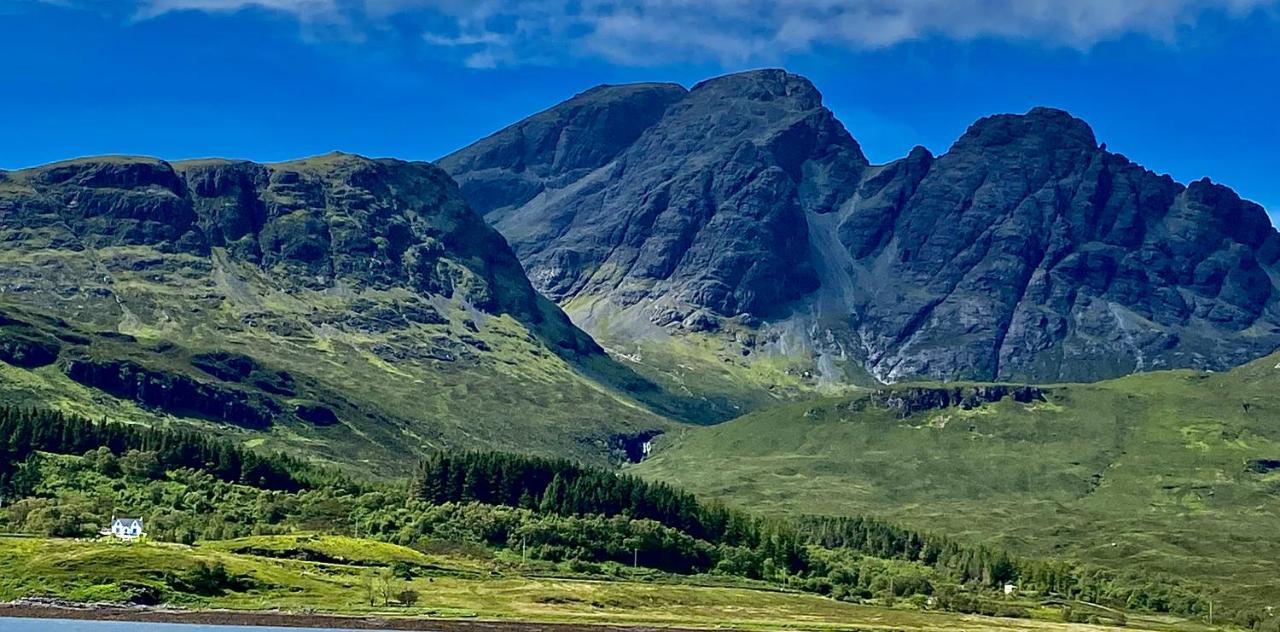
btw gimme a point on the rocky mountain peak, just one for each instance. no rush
(620, 93)
(1243, 221)
(729, 162)
(920, 153)
(1026, 251)
(1040, 127)
(761, 85)
(558, 145)
(118, 172)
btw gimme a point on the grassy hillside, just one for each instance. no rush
(720, 374)
(352, 310)
(1172, 471)
(378, 413)
(266, 573)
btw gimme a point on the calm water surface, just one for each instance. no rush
(62, 625)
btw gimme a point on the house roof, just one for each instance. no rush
(128, 522)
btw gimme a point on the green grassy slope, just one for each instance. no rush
(381, 319)
(516, 394)
(270, 576)
(1163, 471)
(717, 375)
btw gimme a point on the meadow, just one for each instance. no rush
(1166, 471)
(451, 586)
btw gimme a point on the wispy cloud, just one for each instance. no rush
(639, 32)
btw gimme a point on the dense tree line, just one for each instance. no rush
(563, 487)
(968, 564)
(991, 567)
(558, 486)
(25, 432)
(737, 543)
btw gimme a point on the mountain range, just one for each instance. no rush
(742, 213)
(729, 245)
(601, 279)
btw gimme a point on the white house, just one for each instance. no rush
(126, 528)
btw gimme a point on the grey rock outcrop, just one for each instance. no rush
(908, 401)
(705, 207)
(1027, 251)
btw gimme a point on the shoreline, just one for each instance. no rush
(282, 619)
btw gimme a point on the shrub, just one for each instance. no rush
(208, 580)
(407, 598)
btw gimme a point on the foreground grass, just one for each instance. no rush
(1150, 471)
(448, 586)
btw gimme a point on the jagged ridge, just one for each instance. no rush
(1025, 252)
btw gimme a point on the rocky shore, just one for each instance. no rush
(59, 609)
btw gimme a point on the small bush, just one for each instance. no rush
(208, 580)
(407, 598)
(404, 570)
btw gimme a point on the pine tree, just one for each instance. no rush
(552, 498)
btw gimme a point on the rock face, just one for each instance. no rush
(560, 145)
(174, 392)
(357, 306)
(25, 350)
(704, 208)
(317, 224)
(908, 401)
(1025, 252)
(1029, 251)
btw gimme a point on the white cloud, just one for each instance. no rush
(487, 33)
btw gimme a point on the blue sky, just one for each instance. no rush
(1185, 87)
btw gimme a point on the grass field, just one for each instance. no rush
(452, 586)
(1157, 471)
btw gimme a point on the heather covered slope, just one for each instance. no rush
(1177, 471)
(742, 233)
(356, 309)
